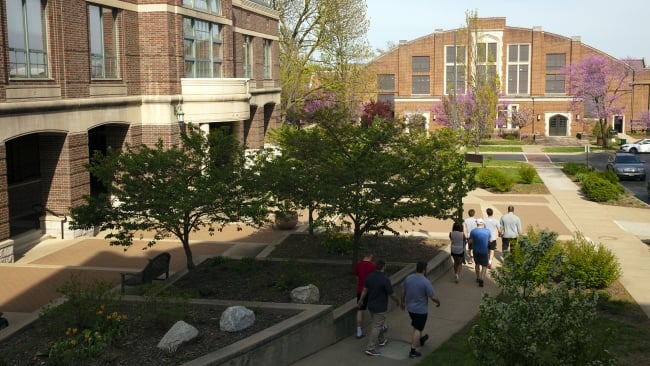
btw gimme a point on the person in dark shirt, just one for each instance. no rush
(376, 291)
(479, 238)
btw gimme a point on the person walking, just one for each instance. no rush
(494, 226)
(470, 224)
(417, 290)
(458, 240)
(361, 270)
(479, 239)
(377, 289)
(511, 226)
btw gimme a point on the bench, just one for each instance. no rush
(157, 267)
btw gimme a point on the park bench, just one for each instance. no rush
(154, 270)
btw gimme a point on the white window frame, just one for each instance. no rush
(518, 63)
(460, 66)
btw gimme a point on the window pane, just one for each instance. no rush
(523, 79)
(420, 64)
(420, 84)
(386, 82)
(523, 53)
(36, 40)
(513, 53)
(512, 79)
(481, 52)
(15, 25)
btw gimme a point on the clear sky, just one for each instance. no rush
(619, 28)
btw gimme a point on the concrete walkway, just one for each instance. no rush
(32, 281)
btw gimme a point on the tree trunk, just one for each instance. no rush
(188, 254)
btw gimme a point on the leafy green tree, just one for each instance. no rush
(322, 47)
(542, 317)
(374, 175)
(200, 183)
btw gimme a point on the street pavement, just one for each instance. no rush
(31, 282)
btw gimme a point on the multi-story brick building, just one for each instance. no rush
(415, 75)
(79, 76)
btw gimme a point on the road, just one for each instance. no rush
(596, 159)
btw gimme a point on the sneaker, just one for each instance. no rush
(372, 352)
(456, 277)
(423, 339)
(480, 283)
(413, 354)
(383, 343)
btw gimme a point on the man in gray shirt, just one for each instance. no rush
(511, 226)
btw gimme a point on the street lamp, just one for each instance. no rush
(180, 115)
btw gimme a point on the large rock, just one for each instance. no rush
(305, 295)
(236, 318)
(178, 334)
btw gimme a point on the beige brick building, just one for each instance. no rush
(79, 76)
(528, 61)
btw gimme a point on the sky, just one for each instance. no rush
(619, 28)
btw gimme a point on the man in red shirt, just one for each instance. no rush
(362, 269)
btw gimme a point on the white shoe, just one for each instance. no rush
(456, 279)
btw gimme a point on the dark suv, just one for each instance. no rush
(627, 165)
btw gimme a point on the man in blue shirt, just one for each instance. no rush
(415, 298)
(479, 239)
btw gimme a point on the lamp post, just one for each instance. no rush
(180, 115)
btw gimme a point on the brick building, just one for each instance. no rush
(416, 74)
(79, 76)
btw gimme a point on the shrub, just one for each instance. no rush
(594, 266)
(599, 189)
(494, 178)
(292, 275)
(336, 241)
(608, 175)
(527, 173)
(575, 168)
(546, 321)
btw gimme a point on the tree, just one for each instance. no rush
(476, 109)
(322, 44)
(597, 83)
(544, 311)
(173, 192)
(521, 117)
(372, 176)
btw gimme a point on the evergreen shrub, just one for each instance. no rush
(600, 189)
(494, 178)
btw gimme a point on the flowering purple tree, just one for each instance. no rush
(641, 122)
(322, 108)
(597, 82)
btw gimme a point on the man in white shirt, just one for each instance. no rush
(494, 226)
(469, 224)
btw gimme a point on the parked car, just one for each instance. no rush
(627, 165)
(637, 147)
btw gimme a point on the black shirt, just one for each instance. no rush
(378, 289)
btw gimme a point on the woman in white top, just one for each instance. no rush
(458, 240)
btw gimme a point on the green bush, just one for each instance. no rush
(494, 178)
(575, 168)
(599, 189)
(336, 241)
(527, 173)
(594, 266)
(608, 175)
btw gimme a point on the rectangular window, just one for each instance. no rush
(555, 61)
(202, 48)
(267, 59)
(554, 83)
(386, 82)
(486, 56)
(103, 42)
(420, 64)
(420, 84)
(518, 68)
(27, 39)
(212, 6)
(455, 69)
(247, 61)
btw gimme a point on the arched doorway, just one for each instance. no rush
(24, 183)
(557, 125)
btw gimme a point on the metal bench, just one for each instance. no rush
(154, 270)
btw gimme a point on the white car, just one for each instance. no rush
(637, 147)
